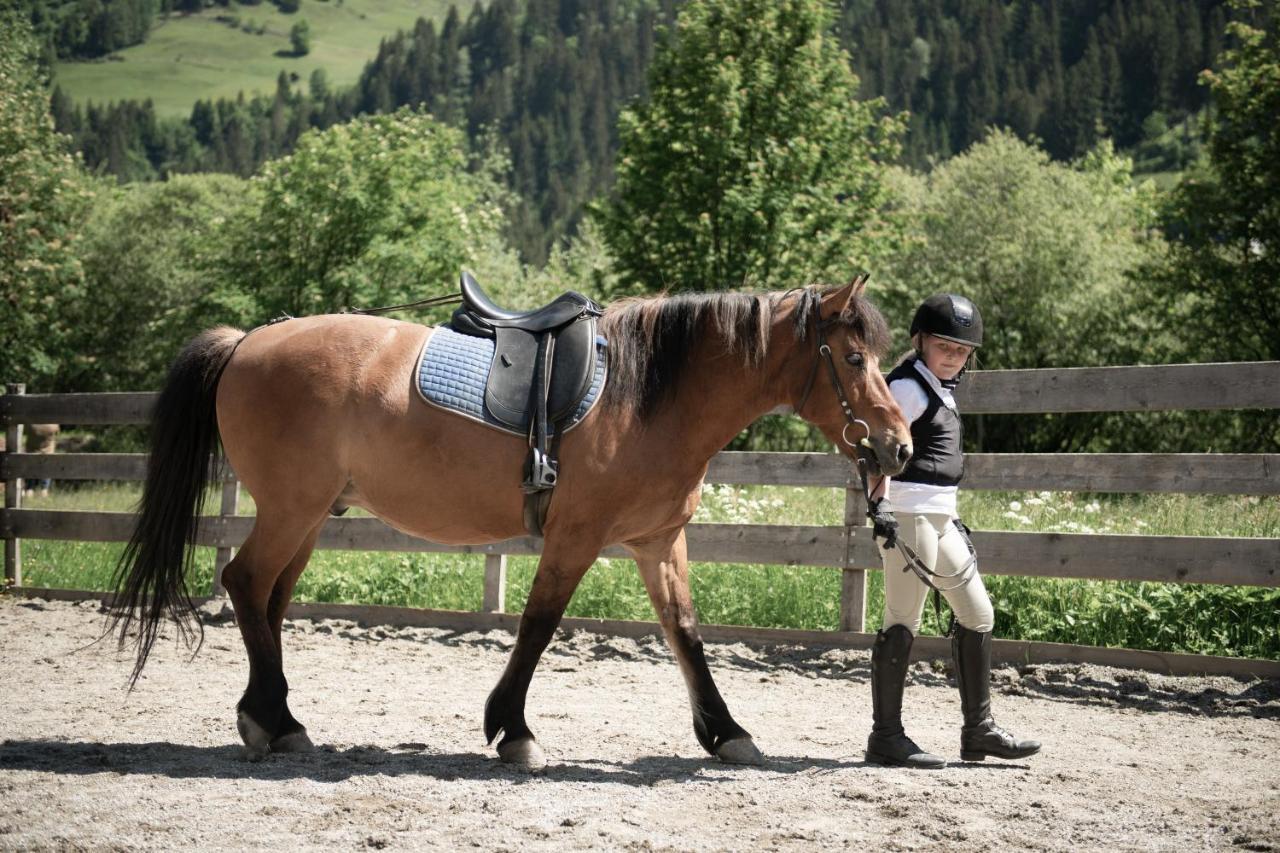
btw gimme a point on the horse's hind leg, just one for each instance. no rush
(250, 578)
(664, 566)
(291, 736)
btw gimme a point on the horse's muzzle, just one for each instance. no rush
(885, 455)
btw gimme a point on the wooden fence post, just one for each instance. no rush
(853, 582)
(495, 583)
(230, 505)
(13, 497)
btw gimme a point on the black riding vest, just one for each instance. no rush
(937, 436)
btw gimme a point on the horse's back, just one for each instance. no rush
(326, 410)
(331, 360)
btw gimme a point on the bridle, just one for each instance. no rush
(821, 329)
(862, 448)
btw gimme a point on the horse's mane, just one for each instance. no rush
(650, 338)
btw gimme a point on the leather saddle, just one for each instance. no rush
(543, 364)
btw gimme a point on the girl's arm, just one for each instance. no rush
(877, 486)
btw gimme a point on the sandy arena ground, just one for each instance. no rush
(1130, 760)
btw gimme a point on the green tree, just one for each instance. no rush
(1052, 253)
(318, 85)
(1224, 219)
(753, 163)
(300, 38)
(44, 196)
(377, 211)
(1047, 250)
(151, 257)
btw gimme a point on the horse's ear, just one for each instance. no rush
(841, 298)
(859, 285)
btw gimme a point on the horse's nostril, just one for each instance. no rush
(904, 453)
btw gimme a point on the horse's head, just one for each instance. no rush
(840, 389)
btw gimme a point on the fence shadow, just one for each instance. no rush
(1083, 684)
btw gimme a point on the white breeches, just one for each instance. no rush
(942, 548)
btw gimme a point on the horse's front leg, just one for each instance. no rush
(664, 566)
(558, 575)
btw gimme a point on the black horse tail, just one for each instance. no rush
(150, 579)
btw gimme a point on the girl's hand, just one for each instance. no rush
(883, 523)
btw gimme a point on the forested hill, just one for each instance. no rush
(550, 77)
(1063, 71)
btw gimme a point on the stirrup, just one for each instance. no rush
(540, 472)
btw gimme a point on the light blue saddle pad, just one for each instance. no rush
(453, 369)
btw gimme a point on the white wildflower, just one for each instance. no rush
(1016, 506)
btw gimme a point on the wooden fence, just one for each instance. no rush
(849, 547)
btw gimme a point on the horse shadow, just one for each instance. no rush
(328, 764)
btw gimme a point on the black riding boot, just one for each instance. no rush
(981, 737)
(888, 743)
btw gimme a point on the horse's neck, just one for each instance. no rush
(721, 395)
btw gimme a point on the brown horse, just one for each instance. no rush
(322, 411)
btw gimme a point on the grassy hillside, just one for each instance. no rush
(190, 57)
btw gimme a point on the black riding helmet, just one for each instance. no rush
(951, 317)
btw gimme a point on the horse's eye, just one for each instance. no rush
(856, 359)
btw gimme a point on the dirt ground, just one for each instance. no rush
(1130, 760)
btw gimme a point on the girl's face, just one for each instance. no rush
(944, 358)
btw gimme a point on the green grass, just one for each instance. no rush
(1166, 617)
(194, 57)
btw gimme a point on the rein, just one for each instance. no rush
(429, 302)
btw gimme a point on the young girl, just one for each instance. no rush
(926, 545)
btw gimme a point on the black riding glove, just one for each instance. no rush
(962, 527)
(883, 524)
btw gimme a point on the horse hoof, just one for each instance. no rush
(524, 753)
(293, 742)
(740, 750)
(255, 754)
(257, 743)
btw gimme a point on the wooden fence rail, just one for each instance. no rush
(849, 547)
(1169, 387)
(1184, 473)
(1168, 559)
